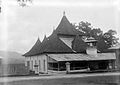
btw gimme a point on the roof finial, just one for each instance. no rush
(38, 37)
(45, 36)
(63, 13)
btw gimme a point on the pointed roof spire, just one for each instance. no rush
(45, 39)
(66, 28)
(35, 48)
(63, 13)
(45, 36)
(38, 39)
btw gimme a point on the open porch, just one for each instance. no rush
(81, 62)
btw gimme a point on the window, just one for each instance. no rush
(28, 63)
(44, 65)
(13, 68)
(36, 66)
(31, 65)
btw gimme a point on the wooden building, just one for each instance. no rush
(66, 45)
(13, 68)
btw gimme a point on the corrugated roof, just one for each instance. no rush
(82, 57)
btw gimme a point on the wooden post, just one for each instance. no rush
(52, 67)
(58, 66)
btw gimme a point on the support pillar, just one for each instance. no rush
(109, 65)
(58, 66)
(67, 67)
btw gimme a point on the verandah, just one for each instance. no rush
(80, 65)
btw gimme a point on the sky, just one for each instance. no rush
(20, 27)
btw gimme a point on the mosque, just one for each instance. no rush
(67, 47)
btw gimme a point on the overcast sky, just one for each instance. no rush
(21, 26)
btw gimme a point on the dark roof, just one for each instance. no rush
(78, 44)
(51, 44)
(44, 40)
(54, 45)
(35, 49)
(66, 28)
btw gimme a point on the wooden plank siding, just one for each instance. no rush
(13, 70)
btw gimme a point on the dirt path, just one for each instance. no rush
(56, 76)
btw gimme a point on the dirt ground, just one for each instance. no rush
(71, 79)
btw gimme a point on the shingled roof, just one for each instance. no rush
(54, 45)
(79, 45)
(66, 28)
(35, 49)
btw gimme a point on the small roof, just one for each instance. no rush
(82, 57)
(90, 39)
(78, 44)
(34, 50)
(66, 28)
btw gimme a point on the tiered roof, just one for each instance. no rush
(53, 44)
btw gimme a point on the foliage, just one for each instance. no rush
(105, 40)
(110, 38)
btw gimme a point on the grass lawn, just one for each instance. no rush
(92, 80)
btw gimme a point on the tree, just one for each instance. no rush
(110, 38)
(105, 40)
(85, 27)
(88, 29)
